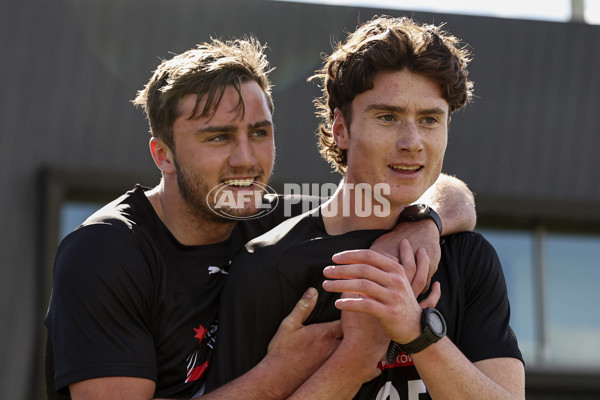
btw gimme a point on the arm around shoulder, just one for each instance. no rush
(454, 202)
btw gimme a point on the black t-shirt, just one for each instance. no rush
(267, 279)
(130, 300)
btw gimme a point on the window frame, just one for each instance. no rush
(58, 185)
(541, 217)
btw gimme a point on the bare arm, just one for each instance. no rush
(454, 202)
(455, 205)
(448, 374)
(275, 377)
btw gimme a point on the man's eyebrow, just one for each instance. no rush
(217, 129)
(398, 109)
(385, 107)
(233, 128)
(260, 124)
(429, 111)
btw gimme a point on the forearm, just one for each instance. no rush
(454, 202)
(294, 353)
(448, 374)
(339, 378)
(266, 381)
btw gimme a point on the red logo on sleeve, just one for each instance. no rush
(403, 360)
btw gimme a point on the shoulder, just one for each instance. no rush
(471, 253)
(264, 253)
(279, 208)
(290, 232)
(468, 244)
(109, 239)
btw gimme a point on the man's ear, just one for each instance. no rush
(162, 155)
(340, 129)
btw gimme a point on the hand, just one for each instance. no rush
(295, 344)
(421, 234)
(386, 293)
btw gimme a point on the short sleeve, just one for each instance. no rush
(98, 319)
(486, 332)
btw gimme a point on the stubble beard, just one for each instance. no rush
(194, 190)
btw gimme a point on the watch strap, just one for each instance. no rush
(427, 338)
(417, 212)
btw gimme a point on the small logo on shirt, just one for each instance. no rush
(215, 270)
(197, 362)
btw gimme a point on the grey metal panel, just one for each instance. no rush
(534, 129)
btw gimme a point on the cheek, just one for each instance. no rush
(267, 154)
(438, 146)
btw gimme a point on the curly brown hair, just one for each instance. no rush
(205, 70)
(387, 44)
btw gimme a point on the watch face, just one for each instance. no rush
(422, 209)
(436, 323)
(414, 212)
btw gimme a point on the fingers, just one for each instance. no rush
(433, 297)
(363, 305)
(407, 259)
(421, 277)
(361, 277)
(369, 257)
(303, 308)
(363, 264)
(385, 253)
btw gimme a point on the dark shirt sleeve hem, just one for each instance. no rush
(81, 374)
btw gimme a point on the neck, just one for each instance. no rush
(351, 208)
(187, 227)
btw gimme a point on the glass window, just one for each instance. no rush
(572, 274)
(570, 271)
(72, 214)
(516, 252)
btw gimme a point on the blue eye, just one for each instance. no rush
(261, 133)
(218, 138)
(387, 118)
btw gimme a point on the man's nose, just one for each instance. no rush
(243, 154)
(409, 138)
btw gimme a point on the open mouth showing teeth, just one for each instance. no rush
(405, 169)
(239, 182)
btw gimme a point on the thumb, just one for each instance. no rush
(303, 307)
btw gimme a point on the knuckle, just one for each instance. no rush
(396, 281)
(363, 269)
(364, 284)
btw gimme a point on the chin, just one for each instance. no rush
(241, 213)
(402, 201)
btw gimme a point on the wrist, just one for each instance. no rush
(419, 212)
(433, 329)
(359, 364)
(277, 377)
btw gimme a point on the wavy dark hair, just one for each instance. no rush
(387, 44)
(205, 70)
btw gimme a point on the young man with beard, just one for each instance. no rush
(133, 313)
(388, 93)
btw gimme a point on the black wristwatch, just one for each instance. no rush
(417, 212)
(434, 328)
